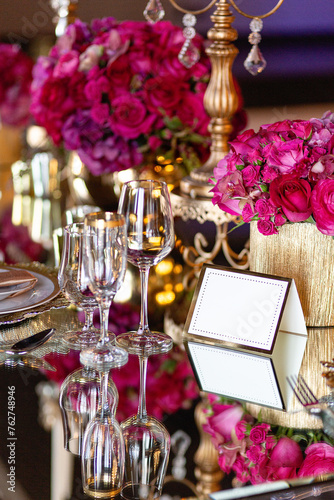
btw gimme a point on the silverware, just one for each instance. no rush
(312, 404)
(30, 343)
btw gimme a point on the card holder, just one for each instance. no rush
(244, 334)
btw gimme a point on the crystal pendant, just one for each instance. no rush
(189, 54)
(154, 11)
(255, 62)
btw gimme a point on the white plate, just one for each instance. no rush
(45, 289)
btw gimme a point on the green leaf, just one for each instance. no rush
(173, 123)
(169, 365)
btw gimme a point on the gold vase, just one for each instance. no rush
(301, 252)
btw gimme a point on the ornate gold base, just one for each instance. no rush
(195, 188)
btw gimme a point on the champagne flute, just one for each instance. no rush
(73, 281)
(146, 206)
(105, 263)
(103, 453)
(147, 446)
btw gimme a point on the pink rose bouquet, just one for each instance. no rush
(15, 79)
(256, 452)
(284, 173)
(116, 92)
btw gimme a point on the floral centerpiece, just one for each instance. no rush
(257, 452)
(163, 372)
(284, 173)
(15, 80)
(115, 92)
(16, 244)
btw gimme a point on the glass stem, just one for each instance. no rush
(104, 307)
(89, 314)
(143, 324)
(103, 403)
(142, 387)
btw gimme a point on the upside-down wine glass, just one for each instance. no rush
(73, 281)
(105, 264)
(78, 400)
(147, 446)
(103, 453)
(150, 232)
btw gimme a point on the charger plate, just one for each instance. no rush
(44, 296)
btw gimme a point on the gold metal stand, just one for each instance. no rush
(207, 471)
(220, 100)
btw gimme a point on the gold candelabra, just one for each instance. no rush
(220, 100)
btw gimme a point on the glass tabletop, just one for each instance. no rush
(32, 456)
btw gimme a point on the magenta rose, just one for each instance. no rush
(266, 227)
(256, 454)
(129, 118)
(258, 434)
(286, 155)
(96, 86)
(264, 208)
(240, 467)
(250, 175)
(246, 142)
(67, 65)
(248, 212)
(322, 202)
(293, 196)
(319, 460)
(165, 93)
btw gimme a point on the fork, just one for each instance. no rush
(311, 403)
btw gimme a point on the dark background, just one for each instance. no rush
(297, 41)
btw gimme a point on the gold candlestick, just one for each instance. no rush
(220, 100)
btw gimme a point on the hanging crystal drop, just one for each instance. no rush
(255, 62)
(154, 11)
(189, 54)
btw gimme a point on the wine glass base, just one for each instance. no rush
(104, 491)
(104, 356)
(139, 492)
(145, 344)
(79, 340)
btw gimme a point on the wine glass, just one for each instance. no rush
(105, 251)
(79, 212)
(78, 401)
(103, 453)
(73, 281)
(150, 226)
(147, 446)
